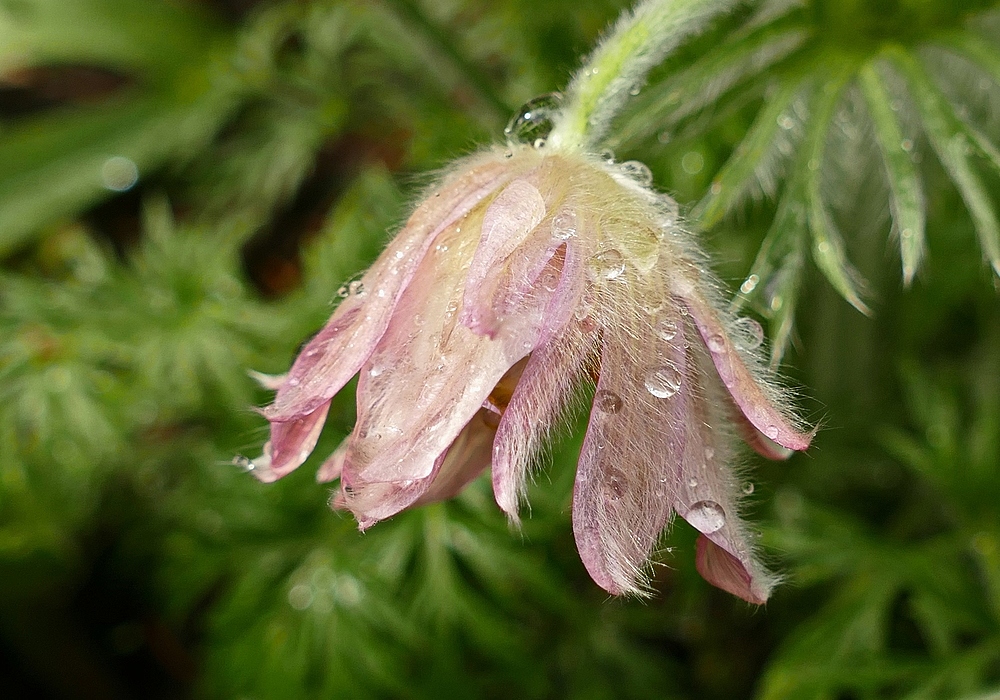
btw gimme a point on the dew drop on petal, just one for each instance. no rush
(375, 370)
(666, 329)
(716, 343)
(663, 381)
(637, 171)
(693, 483)
(617, 485)
(748, 489)
(749, 333)
(244, 463)
(293, 382)
(564, 225)
(609, 265)
(356, 288)
(607, 401)
(344, 291)
(772, 432)
(706, 517)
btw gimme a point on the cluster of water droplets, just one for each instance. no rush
(354, 288)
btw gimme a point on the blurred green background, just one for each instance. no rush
(184, 187)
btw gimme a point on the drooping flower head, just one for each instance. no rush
(527, 274)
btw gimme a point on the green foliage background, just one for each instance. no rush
(277, 144)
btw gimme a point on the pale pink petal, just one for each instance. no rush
(705, 493)
(761, 444)
(430, 374)
(723, 570)
(510, 221)
(534, 410)
(466, 459)
(747, 390)
(292, 441)
(625, 478)
(338, 351)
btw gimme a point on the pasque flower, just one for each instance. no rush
(525, 276)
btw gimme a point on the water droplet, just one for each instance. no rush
(706, 517)
(664, 137)
(813, 164)
(749, 333)
(749, 284)
(119, 173)
(610, 264)
(637, 171)
(244, 463)
(344, 291)
(906, 234)
(300, 597)
(785, 122)
(617, 485)
(534, 120)
(716, 343)
(693, 483)
(896, 105)
(709, 452)
(635, 90)
(906, 145)
(748, 489)
(716, 187)
(663, 381)
(539, 143)
(666, 329)
(356, 288)
(375, 370)
(564, 225)
(293, 381)
(692, 162)
(607, 401)
(772, 432)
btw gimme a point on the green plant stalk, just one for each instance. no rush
(640, 40)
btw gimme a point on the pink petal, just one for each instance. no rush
(292, 441)
(625, 477)
(704, 492)
(510, 221)
(466, 459)
(429, 374)
(462, 462)
(723, 570)
(747, 390)
(535, 407)
(337, 352)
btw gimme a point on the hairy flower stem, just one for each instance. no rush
(641, 39)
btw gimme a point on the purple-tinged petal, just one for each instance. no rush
(705, 492)
(338, 351)
(430, 374)
(747, 390)
(533, 411)
(460, 463)
(723, 570)
(292, 441)
(758, 441)
(511, 220)
(466, 459)
(624, 481)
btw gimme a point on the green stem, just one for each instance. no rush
(641, 39)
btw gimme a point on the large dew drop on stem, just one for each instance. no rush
(533, 121)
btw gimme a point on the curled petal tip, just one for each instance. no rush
(725, 571)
